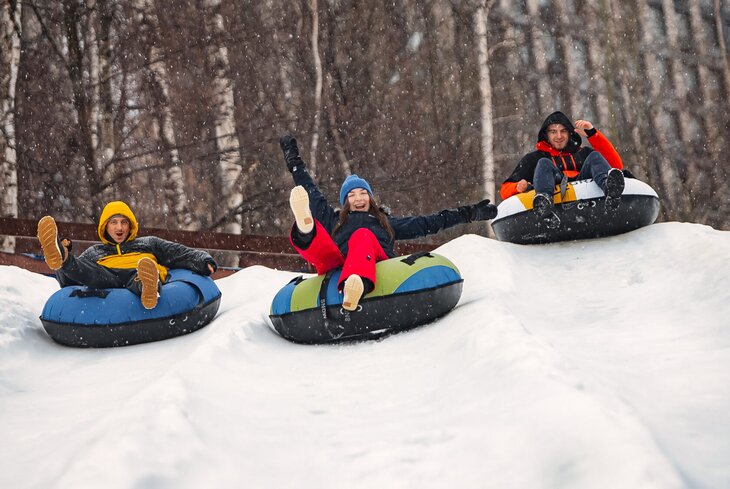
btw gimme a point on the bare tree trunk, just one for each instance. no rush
(711, 124)
(671, 185)
(176, 199)
(336, 137)
(485, 90)
(573, 80)
(106, 149)
(10, 31)
(226, 139)
(597, 60)
(723, 47)
(617, 62)
(82, 103)
(677, 69)
(539, 55)
(317, 87)
(334, 94)
(290, 94)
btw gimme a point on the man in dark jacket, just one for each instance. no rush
(122, 259)
(559, 154)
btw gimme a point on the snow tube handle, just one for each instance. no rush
(410, 260)
(84, 293)
(323, 293)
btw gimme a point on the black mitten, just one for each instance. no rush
(291, 152)
(478, 212)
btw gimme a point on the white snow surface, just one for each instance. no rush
(601, 364)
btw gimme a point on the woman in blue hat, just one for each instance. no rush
(361, 233)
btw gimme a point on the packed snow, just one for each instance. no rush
(601, 364)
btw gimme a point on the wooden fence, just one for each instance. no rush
(270, 251)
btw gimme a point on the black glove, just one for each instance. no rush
(478, 212)
(212, 263)
(67, 243)
(291, 152)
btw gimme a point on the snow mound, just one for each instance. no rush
(597, 364)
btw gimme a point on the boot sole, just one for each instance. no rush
(352, 290)
(544, 212)
(299, 203)
(147, 274)
(614, 185)
(48, 237)
(614, 189)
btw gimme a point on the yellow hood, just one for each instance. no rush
(112, 209)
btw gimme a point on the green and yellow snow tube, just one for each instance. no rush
(409, 291)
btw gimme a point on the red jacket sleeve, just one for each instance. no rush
(601, 144)
(509, 189)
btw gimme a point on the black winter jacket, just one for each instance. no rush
(168, 253)
(403, 227)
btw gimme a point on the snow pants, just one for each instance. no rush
(77, 271)
(547, 174)
(322, 253)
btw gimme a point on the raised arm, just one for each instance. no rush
(321, 209)
(419, 226)
(599, 142)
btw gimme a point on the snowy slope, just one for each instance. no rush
(599, 364)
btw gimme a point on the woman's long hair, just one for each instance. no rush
(375, 211)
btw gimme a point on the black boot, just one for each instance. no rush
(542, 204)
(613, 187)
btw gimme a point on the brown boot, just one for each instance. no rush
(353, 290)
(148, 275)
(53, 252)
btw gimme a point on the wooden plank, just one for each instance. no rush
(269, 251)
(195, 239)
(207, 240)
(279, 262)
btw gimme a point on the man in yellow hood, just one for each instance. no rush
(122, 259)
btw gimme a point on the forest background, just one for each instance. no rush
(176, 106)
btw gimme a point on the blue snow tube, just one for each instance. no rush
(83, 317)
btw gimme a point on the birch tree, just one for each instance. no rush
(485, 91)
(317, 87)
(224, 122)
(10, 31)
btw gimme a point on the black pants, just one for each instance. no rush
(77, 271)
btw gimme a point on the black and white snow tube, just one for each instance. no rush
(582, 213)
(83, 317)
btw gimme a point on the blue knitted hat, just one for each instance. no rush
(351, 183)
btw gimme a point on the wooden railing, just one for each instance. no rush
(270, 251)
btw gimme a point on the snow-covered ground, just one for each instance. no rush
(592, 364)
